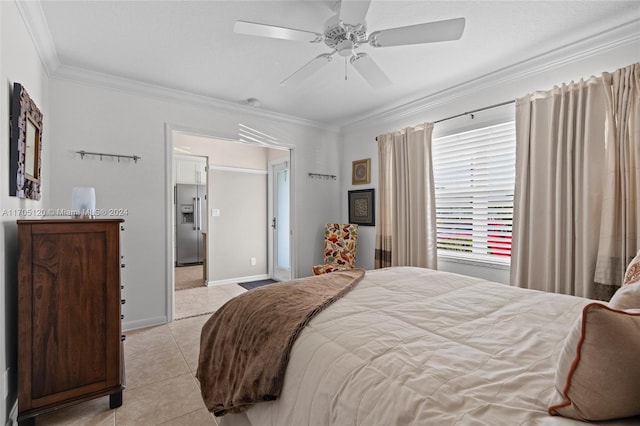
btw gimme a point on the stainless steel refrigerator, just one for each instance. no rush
(191, 222)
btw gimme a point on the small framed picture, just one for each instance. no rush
(361, 172)
(362, 207)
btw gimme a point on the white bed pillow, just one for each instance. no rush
(597, 375)
(626, 297)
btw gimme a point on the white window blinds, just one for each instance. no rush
(474, 175)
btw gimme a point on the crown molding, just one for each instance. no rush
(38, 29)
(33, 17)
(620, 36)
(98, 79)
(36, 24)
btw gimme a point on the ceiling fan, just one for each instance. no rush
(346, 31)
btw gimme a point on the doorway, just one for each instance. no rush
(241, 162)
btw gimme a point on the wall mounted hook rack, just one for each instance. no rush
(135, 158)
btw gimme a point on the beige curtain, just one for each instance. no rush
(620, 226)
(406, 229)
(558, 192)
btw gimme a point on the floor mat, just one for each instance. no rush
(254, 284)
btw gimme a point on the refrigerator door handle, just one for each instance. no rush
(199, 209)
(195, 213)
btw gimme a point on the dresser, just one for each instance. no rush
(70, 346)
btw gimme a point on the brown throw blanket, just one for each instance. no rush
(245, 345)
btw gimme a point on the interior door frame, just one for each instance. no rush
(169, 218)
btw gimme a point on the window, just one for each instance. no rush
(474, 175)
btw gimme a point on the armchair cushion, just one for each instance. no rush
(339, 248)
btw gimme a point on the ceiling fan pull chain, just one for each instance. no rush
(345, 68)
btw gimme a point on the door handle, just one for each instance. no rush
(195, 213)
(199, 205)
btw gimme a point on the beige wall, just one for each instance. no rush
(240, 232)
(19, 62)
(277, 154)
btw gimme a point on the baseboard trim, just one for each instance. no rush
(238, 280)
(147, 322)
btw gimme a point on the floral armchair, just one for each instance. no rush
(339, 248)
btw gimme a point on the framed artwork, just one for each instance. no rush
(362, 207)
(25, 146)
(361, 172)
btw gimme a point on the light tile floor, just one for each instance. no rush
(201, 300)
(160, 365)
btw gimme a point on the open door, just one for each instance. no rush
(280, 220)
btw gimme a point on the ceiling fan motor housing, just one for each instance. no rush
(339, 37)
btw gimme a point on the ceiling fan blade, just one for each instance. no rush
(353, 12)
(307, 69)
(272, 31)
(450, 29)
(370, 71)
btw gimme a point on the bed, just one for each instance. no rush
(413, 346)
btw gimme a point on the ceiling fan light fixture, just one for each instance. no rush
(345, 48)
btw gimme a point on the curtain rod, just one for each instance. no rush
(473, 111)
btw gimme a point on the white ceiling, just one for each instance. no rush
(190, 46)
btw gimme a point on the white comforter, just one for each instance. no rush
(411, 346)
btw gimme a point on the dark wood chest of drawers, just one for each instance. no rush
(69, 307)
